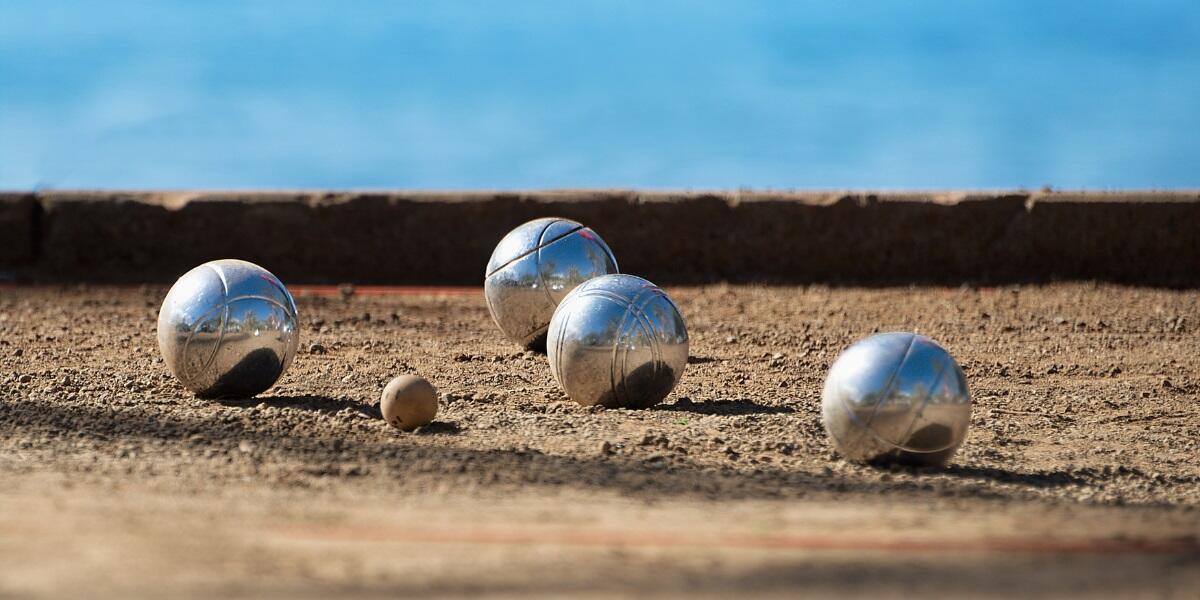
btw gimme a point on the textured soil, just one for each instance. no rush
(1080, 474)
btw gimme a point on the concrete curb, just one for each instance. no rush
(1150, 238)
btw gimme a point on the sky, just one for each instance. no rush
(649, 94)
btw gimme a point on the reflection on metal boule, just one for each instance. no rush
(534, 267)
(896, 397)
(228, 329)
(618, 341)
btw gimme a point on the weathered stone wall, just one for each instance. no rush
(671, 238)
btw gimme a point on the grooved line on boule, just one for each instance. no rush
(538, 261)
(887, 389)
(532, 250)
(921, 411)
(612, 365)
(224, 317)
(647, 329)
(192, 333)
(556, 366)
(630, 309)
(619, 301)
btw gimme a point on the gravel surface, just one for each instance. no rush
(1084, 433)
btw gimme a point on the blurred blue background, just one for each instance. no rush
(689, 94)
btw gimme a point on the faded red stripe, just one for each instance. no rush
(1014, 545)
(383, 290)
(296, 290)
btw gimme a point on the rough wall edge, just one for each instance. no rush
(399, 237)
(814, 196)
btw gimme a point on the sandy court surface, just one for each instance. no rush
(1080, 475)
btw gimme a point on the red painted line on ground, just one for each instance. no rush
(1014, 545)
(319, 291)
(335, 291)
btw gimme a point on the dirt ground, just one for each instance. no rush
(1080, 474)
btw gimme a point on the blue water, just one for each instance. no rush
(906, 94)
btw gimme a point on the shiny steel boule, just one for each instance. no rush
(228, 329)
(617, 341)
(534, 267)
(896, 397)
